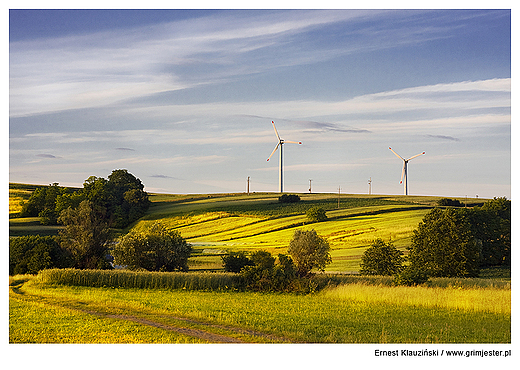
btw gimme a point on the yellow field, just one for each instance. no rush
(216, 223)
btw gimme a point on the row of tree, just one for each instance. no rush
(118, 200)
(451, 242)
(89, 216)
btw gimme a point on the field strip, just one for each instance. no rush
(184, 330)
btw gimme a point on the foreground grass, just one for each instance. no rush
(355, 313)
(34, 322)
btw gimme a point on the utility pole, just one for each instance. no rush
(339, 193)
(370, 186)
(247, 185)
(310, 191)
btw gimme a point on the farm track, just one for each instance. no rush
(139, 318)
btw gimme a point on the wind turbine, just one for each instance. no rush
(404, 174)
(280, 144)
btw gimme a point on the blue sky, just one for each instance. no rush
(184, 99)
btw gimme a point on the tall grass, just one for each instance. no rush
(473, 299)
(205, 281)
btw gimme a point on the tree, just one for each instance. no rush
(155, 249)
(45, 202)
(309, 250)
(129, 201)
(121, 199)
(492, 226)
(381, 259)
(235, 261)
(316, 214)
(444, 246)
(30, 254)
(86, 236)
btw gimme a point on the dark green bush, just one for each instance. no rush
(235, 261)
(30, 254)
(266, 276)
(316, 214)
(155, 249)
(381, 259)
(289, 198)
(447, 202)
(411, 276)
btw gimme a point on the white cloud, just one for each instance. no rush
(106, 67)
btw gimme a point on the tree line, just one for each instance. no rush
(89, 216)
(118, 200)
(448, 242)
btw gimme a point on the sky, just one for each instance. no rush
(184, 99)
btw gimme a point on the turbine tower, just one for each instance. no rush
(404, 174)
(280, 144)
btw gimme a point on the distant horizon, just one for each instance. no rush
(285, 192)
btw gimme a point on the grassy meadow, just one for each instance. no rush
(203, 306)
(360, 312)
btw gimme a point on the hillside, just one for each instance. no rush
(217, 223)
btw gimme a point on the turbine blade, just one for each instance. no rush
(276, 147)
(415, 156)
(402, 173)
(396, 154)
(292, 142)
(276, 132)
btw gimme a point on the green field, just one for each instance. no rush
(354, 313)
(217, 223)
(355, 309)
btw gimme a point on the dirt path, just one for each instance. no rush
(201, 334)
(206, 335)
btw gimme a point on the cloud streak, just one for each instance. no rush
(101, 68)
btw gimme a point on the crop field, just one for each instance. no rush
(217, 223)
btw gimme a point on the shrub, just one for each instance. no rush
(411, 276)
(381, 259)
(266, 276)
(316, 214)
(289, 198)
(156, 249)
(30, 254)
(235, 261)
(447, 202)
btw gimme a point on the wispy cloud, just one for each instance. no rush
(105, 67)
(164, 177)
(443, 137)
(126, 149)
